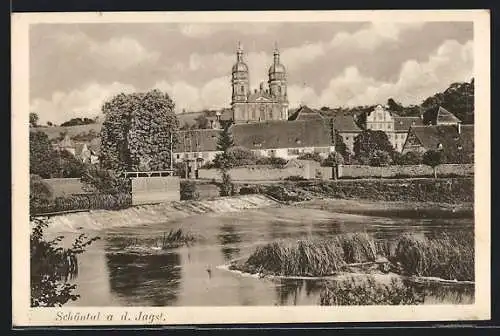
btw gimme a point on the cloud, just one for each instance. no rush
(451, 62)
(201, 30)
(84, 102)
(373, 36)
(120, 53)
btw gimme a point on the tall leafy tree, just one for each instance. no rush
(43, 159)
(340, 146)
(138, 129)
(432, 158)
(33, 119)
(368, 141)
(458, 98)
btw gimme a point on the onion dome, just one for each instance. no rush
(240, 66)
(277, 67)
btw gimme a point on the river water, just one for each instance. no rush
(190, 276)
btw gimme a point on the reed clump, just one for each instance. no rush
(311, 257)
(445, 256)
(368, 291)
(171, 239)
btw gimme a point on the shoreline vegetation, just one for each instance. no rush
(443, 257)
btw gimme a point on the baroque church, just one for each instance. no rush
(266, 103)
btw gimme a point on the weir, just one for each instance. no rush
(154, 213)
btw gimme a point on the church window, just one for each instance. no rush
(242, 88)
(253, 114)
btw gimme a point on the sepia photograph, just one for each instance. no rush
(260, 164)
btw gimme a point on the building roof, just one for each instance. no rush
(430, 137)
(197, 140)
(283, 134)
(79, 148)
(438, 116)
(404, 123)
(344, 121)
(305, 113)
(263, 135)
(66, 142)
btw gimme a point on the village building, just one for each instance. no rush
(86, 152)
(284, 139)
(396, 127)
(456, 142)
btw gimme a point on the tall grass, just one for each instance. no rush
(311, 257)
(446, 256)
(369, 292)
(171, 239)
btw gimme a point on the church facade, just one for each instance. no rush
(265, 104)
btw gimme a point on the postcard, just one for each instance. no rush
(176, 168)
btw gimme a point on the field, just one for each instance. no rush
(55, 131)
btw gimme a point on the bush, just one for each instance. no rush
(85, 202)
(188, 190)
(52, 267)
(41, 193)
(295, 178)
(380, 158)
(410, 158)
(105, 181)
(310, 156)
(251, 189)
(274, 161)
(350, 292)
(235, 157)
(226, 186)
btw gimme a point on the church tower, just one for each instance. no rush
(278, 83)
(240, 78)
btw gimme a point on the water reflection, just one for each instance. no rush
(188, 276)
(154, 280)
(228, 237)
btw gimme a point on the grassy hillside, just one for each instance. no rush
(53, 132)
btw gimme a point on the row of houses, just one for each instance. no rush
(87, 152)
(311, 131)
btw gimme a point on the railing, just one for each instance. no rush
(149, 173)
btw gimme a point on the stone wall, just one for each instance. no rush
(65, 186)
(147, 190)
(359, 171)
(268, 173)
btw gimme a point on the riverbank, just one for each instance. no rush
(391, 209)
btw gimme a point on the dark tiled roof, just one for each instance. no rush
(95, 145)
(446, 135)
(198, 140)
(344, 122)
(283, 134)
(439, 115)
(79, 148)
(404, 123)
(305, 113)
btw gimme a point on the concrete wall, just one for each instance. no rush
(358, 171)
(269, 173)
(155, 189)
(65, 186)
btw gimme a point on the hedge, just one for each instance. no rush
(83, 202)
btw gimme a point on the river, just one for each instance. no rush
(190, 276)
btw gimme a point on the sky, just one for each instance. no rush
(74, 68)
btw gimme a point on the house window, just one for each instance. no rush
(178, 156)
(347, 138)
(271, 153)
(253, 114)
(242, 89)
